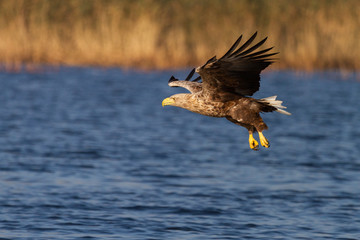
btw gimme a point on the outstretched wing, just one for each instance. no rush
(193, 86)
(238, 71)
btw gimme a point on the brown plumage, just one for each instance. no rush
(225, 85)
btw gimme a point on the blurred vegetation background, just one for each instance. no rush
(309, 34)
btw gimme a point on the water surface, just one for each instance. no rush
(90, 153)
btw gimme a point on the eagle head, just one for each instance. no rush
(177, 100)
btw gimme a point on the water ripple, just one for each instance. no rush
(84, 157)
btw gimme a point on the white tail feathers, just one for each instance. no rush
(276, 104)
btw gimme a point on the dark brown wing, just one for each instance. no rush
(238, 71)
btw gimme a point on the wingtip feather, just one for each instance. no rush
(172, 78)
(190, 75)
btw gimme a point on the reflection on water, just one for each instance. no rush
(89, 152)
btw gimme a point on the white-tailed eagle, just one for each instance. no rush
(225, 85)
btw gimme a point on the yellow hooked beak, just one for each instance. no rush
(167, 101)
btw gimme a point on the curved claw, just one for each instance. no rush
(254, 145)
(264, 142)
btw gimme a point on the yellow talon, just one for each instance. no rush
(254, 145)
(264, 142)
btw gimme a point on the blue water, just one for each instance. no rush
(89, 153)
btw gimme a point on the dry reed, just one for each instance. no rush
(309, 34)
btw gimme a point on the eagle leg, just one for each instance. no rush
(254, 145)
(264, 142)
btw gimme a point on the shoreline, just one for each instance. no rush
(309, 35)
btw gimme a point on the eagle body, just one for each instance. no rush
(242, 110)
(225, 86)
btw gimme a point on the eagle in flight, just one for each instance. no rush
(225, 85)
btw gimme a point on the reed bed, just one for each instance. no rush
(309, 34)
